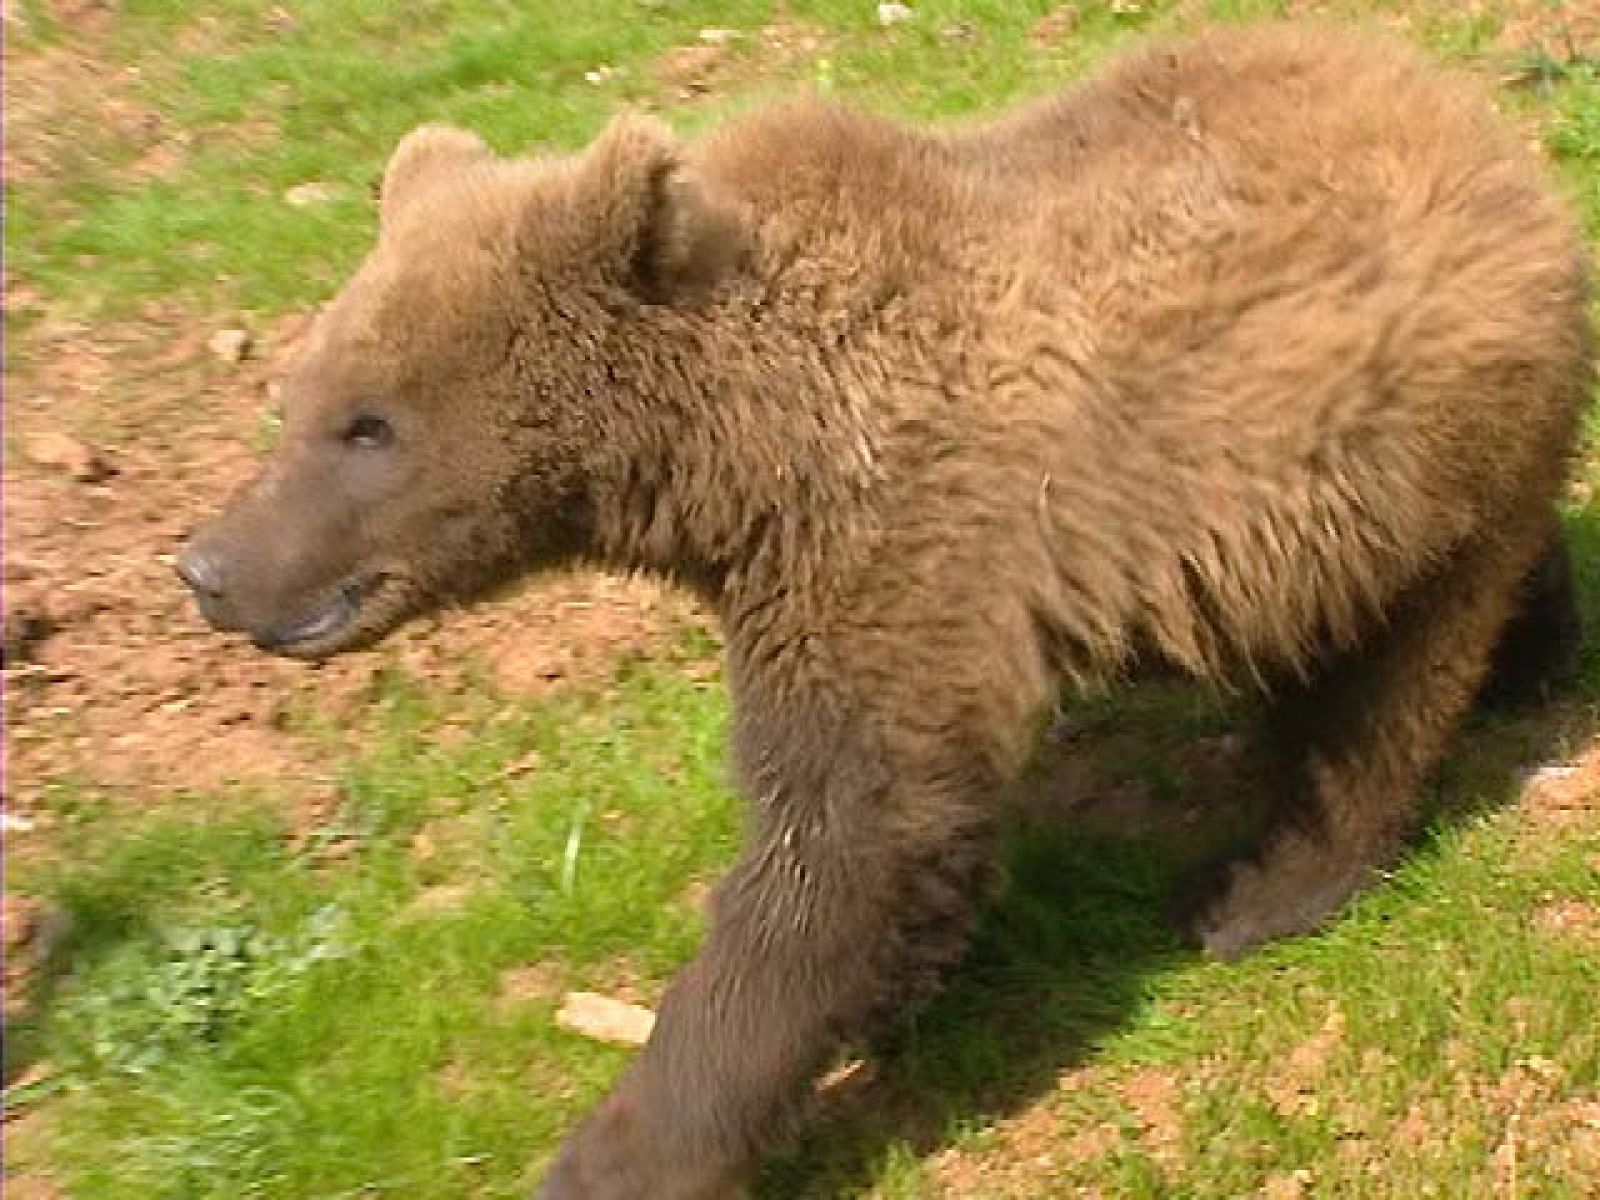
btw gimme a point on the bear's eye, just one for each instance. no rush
(367, 432)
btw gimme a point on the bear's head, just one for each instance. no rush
(455, 408)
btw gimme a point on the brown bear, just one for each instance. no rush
(1259, 357)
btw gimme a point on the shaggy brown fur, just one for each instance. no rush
(1260, 356)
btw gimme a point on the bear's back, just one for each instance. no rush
(1278, 297)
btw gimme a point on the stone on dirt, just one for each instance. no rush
(62, 452)
(230, 345)
(605, 1019)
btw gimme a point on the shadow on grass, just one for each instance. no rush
(107, 891)
(79, 926)
(1058, 966)
(1074, 946)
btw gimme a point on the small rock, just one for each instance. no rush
(523, 765)
(22, 627)
(440, 900)
(688, 67)
(592, 1015)
(853, 1072)
(304, 195)
(894, 14)
(19, 922)
(602, 74)
(1055, 27)
(1552, 773)
(230, 345)
(62, 452)
(29, 936)
(719, 37)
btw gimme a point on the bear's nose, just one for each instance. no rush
(200, 571)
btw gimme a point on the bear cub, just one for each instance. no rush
(1261, 357)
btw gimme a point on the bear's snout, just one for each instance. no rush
(200, 571)
(204, 571)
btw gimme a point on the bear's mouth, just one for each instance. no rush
(322, 630)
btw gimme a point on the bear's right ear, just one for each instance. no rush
(423, 155)
(645, 217)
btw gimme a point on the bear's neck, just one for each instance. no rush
(741, 449)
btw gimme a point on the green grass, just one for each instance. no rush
(242, 1009)
(325, 100)
(261, 107)
(253, 1014)
(250, 1013)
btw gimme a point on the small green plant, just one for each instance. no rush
(193, 986)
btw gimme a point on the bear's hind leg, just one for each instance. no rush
(1358, 742)
(1539, 644)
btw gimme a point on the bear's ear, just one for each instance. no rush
(423, 155)
(648, 218)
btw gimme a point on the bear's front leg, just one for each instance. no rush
(856, 891)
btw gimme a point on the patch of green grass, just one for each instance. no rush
(1573, 137)
(247, 1014)
(265, 103)
(1489, 996)
(323, 97)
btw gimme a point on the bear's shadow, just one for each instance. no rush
(1123, 804)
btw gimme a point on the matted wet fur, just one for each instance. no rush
(1261, 355)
